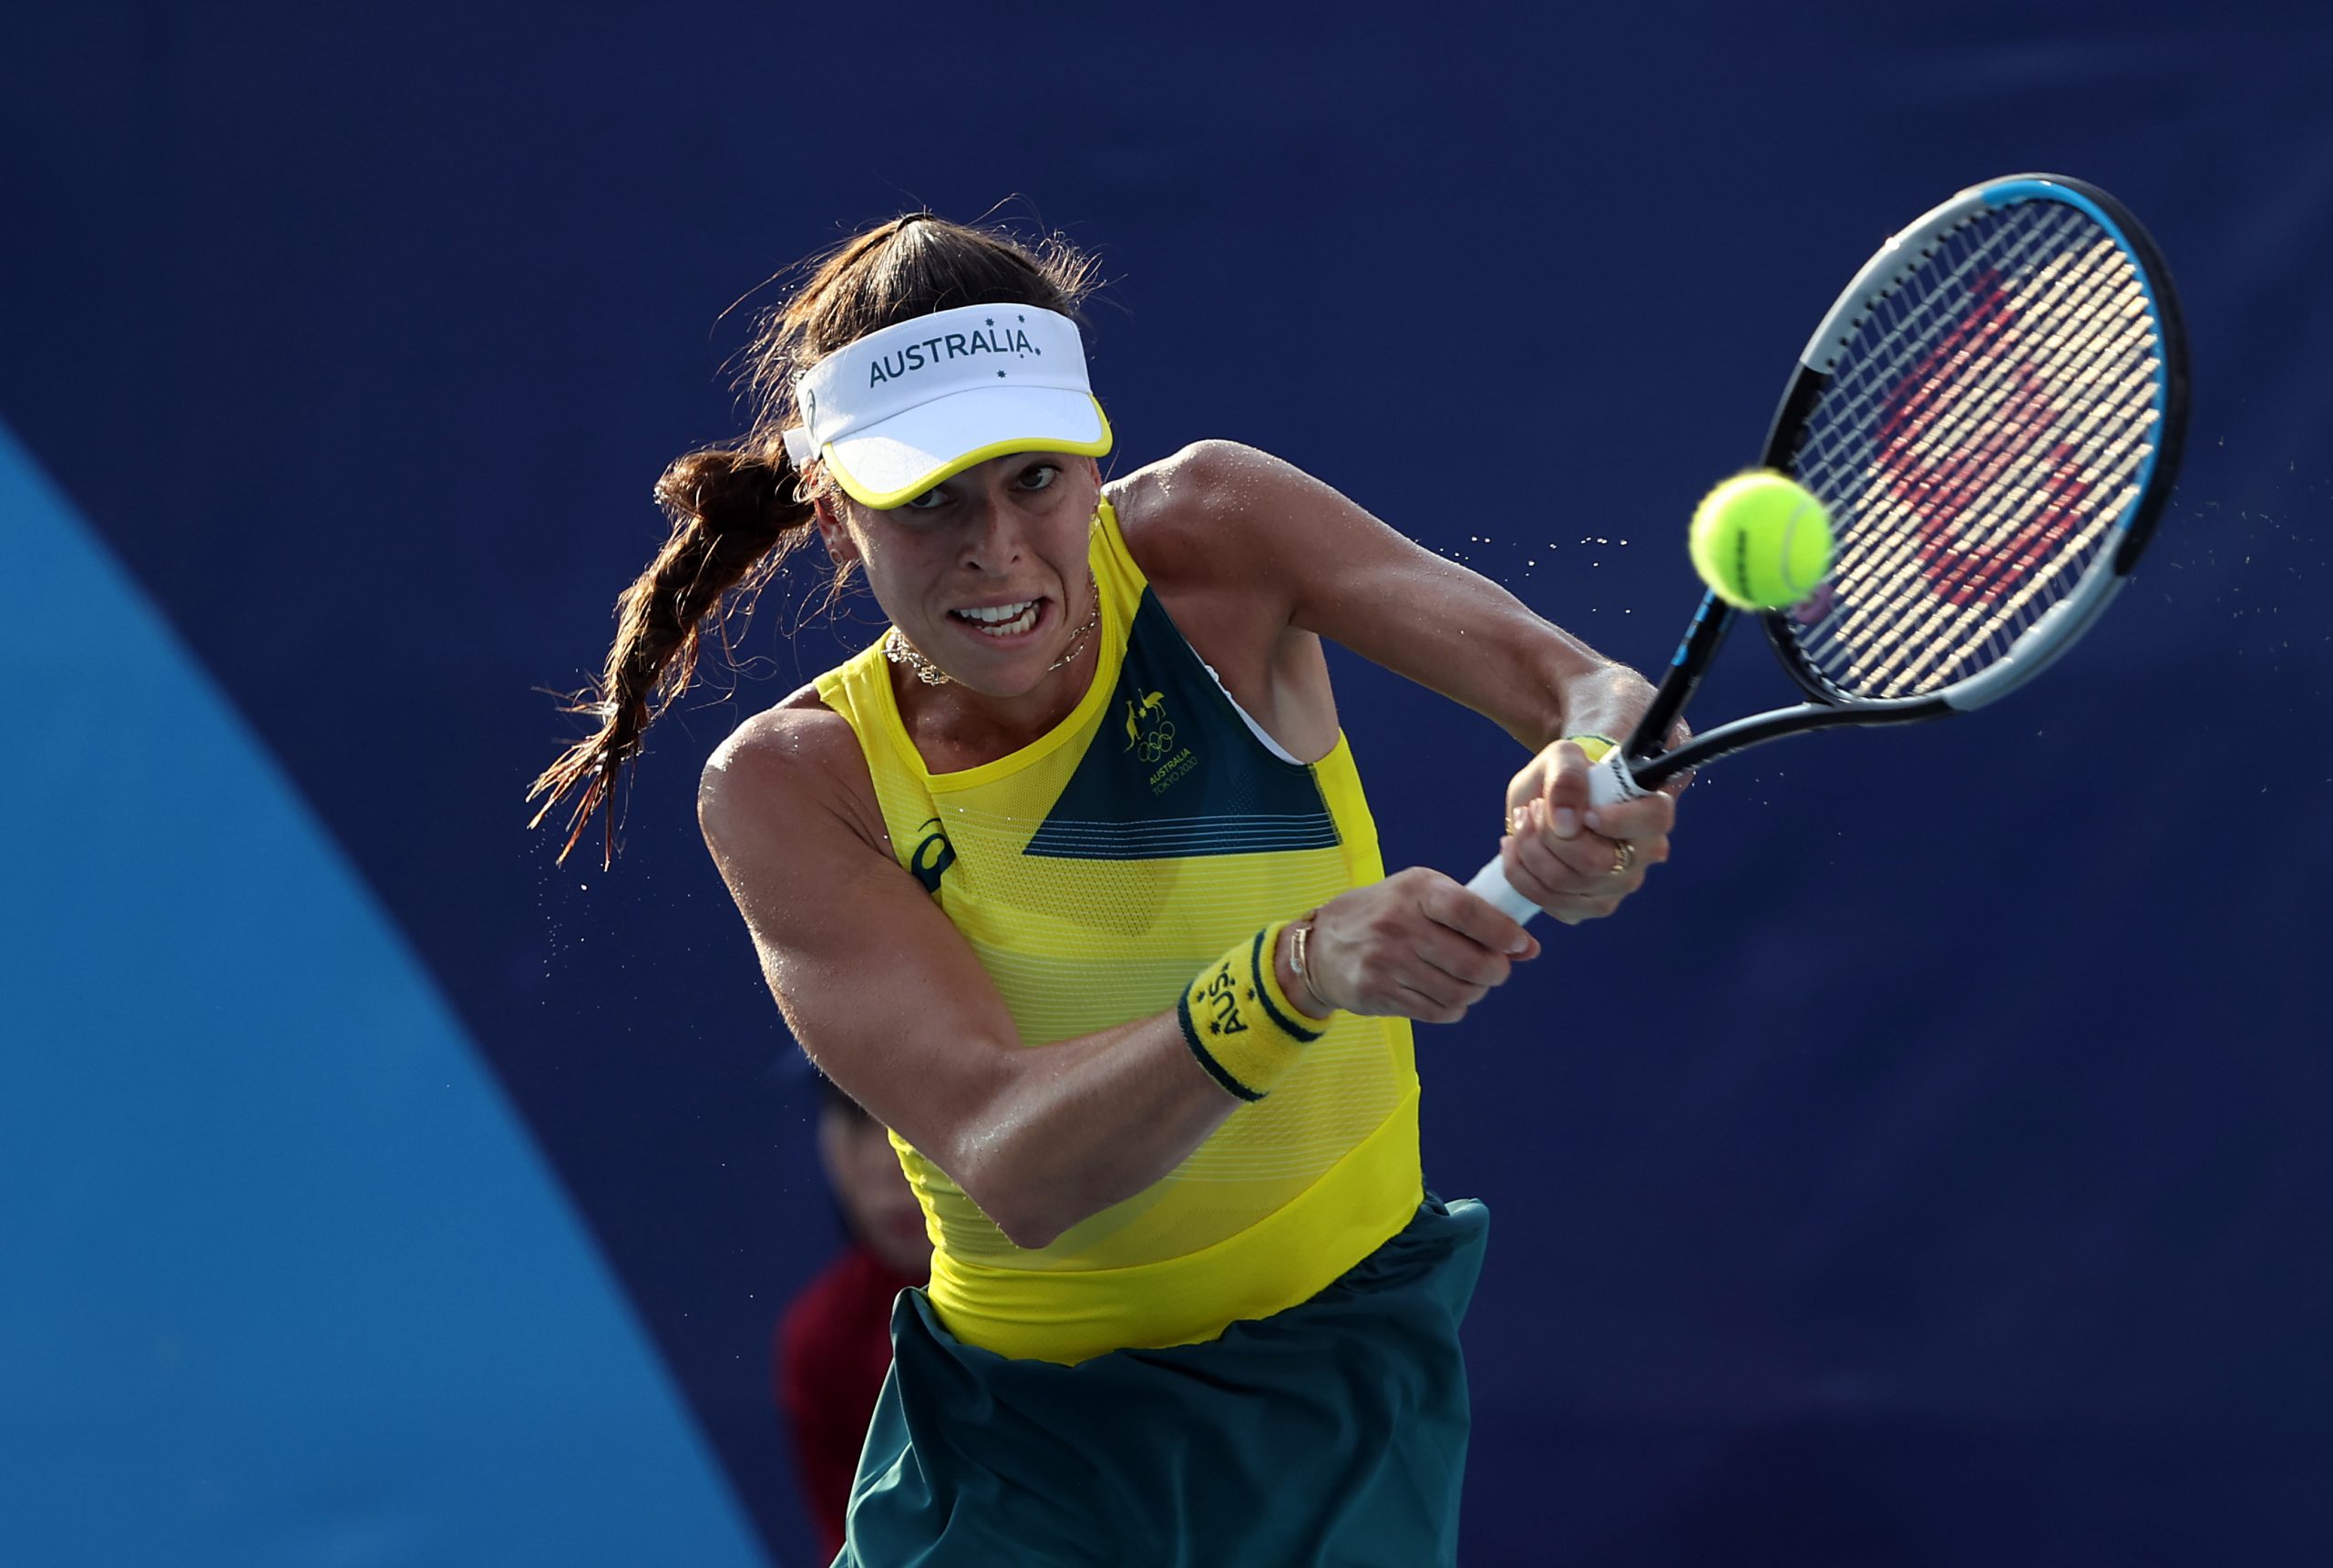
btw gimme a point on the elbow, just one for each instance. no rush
(1024, 1158)
(1030, 1232)
(1025, 1216)
(1022, 1204)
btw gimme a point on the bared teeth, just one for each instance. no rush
(994, 612)
(1002, 620)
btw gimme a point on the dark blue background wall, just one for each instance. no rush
(375, 1191)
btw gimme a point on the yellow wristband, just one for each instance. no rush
(1238, 1021)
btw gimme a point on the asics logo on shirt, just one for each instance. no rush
(933, 855)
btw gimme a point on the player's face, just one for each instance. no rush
(986, 574)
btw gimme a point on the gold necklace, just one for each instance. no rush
(899, 651)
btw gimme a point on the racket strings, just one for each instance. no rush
(1982, 431)
(1975, 435)
(1943, 425)
(1837, 445)
(1971, 432)
(1917, 643)
(1903, 608)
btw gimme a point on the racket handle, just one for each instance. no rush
(1609, 781)
(1491, 883)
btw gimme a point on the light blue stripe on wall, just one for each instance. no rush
(283, 1280)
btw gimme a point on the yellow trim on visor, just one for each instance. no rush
(884, 500)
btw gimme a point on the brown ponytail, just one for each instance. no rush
(737, 510)
(734, 516)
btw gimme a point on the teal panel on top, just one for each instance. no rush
(282, 1280)
(1178, 772)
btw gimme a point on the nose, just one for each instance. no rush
(993, 541)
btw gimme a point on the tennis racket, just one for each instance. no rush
(1993, 413)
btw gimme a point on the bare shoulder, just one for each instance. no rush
(1180, 512)
(789, 768)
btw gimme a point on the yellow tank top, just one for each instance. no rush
(1093, 872)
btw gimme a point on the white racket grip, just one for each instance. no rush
(1491, 883)
(1608, 781)
(1611, 781)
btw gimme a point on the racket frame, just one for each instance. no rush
(1637, 766)
(1641, 763)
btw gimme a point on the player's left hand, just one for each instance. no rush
(1574, 860)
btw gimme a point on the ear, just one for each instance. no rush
(833, 532)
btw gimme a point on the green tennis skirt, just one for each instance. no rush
(1331, 1434)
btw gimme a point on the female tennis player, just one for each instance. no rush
(1069, 881)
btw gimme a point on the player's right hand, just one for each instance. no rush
(1574, 860)
(1416, 946)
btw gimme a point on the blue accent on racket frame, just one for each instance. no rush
(2009, 193)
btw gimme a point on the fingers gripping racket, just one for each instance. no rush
(1993, 413)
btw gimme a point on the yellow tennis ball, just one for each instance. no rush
(1760, 541)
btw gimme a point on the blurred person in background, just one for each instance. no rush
(833, 1346)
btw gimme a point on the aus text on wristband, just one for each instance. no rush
(1238, 1021)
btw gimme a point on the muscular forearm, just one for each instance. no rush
(1603, 700)
(1075, 1127)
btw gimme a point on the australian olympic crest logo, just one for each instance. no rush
(1149, 731)
(1150, 735)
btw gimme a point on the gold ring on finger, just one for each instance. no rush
(1624, 855)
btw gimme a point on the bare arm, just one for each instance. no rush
(888, 1001)
(1337, 570)
(887, 997)
(1312, 560)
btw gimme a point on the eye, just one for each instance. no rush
(1039, 477)
(931, 500)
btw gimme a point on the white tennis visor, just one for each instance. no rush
(901, 410)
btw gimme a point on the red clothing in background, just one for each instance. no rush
(833, 1348)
